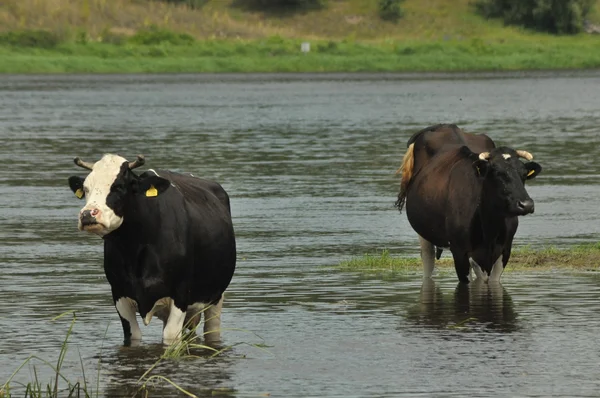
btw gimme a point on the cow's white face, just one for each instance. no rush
(97, 216)
(111, 190)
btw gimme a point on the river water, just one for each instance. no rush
(309, 163)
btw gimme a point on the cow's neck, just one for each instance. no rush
(493, 223)
(134, 230)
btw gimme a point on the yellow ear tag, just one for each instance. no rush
(79, 193)
(530, 172)
(151, 192)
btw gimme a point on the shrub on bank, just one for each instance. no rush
(561, 17)
(287, 5)
(30, 38)
(390, 10)
(44, 39)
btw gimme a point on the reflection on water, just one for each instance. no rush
(309, 163)
(476, 306)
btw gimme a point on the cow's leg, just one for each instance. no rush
(497, 270)
(461, 265)
(427, 256)
(476, 269)
(173, 328)
(212, 321)
(194, 316)
(127, 312)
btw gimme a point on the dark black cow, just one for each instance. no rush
(169, 245)
(464, 193)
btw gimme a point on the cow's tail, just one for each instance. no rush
(406, 169)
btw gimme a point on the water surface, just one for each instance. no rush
(309, 163)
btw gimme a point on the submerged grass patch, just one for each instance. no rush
(580, 257)
(159, 51)
(188, 347)
(584, 257)
(383, 261)
(60, 385)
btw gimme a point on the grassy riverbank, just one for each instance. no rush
(282, 55)
(581, 258)
(94, 36)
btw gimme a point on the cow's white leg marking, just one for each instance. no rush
(497, 270)
(477, 270)
(127, 309)
(427, 256)
(212, 321)
(172, 330)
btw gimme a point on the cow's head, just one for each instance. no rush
(504, 177)
(109, 189)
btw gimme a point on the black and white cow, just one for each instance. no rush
(169, 244)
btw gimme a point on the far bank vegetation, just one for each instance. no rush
(366, 20)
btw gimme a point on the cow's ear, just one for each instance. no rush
(481, 167)
(76, 184)
(533, 169)
(153, 186)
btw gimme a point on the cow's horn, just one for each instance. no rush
(81, 163)
(484, 155)
(525, 155)
(137, 163)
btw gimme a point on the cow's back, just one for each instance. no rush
(440, 138)
(195, 189)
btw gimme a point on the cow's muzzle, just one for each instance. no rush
(525, 206)
(88, 217)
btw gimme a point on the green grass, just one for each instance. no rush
(427, 20)
(92, 36)
(277, 54)
(581, 257)
(188, 347)
(60, 385)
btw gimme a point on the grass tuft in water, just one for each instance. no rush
(462, 325)
(188, 347)
(584, 257)
(383, 261)
(60, 386)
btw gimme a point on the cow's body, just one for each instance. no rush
(173, 253)
(457, 199)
